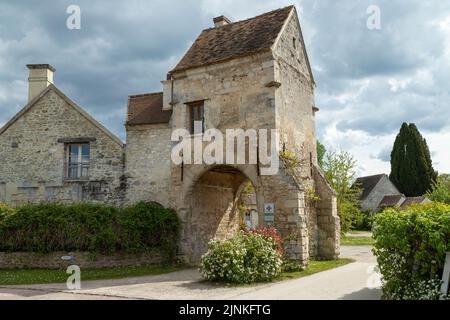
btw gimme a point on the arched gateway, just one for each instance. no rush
(207, 199)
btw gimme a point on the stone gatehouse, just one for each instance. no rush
(252, 74)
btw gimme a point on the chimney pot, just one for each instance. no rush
(41, 76)
(221, 21)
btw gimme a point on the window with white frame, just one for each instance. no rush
(77, 160)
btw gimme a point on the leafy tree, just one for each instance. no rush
(321, 150)
(411, 166)
(440, 190)
(340, 170)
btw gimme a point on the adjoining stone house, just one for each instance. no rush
(52, 150)
(378, 192)
(252, 74)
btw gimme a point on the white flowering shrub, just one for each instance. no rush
(245, 258)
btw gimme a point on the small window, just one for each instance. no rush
(294, 43)
(77, 157)
(197, 117)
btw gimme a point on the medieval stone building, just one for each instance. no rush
(252, 74)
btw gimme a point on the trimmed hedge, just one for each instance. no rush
(50, 227)
(410, 247)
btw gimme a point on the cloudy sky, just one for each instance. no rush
(368, 81)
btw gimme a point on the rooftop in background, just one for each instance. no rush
(366, 184)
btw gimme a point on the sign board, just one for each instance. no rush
(446, 275)
(67, 258)
(269, 212)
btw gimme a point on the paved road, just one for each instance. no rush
(347, 282)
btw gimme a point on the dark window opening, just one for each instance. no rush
(197, 117)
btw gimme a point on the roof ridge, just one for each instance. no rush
(144, 94)
(375, 175)
(251, 18)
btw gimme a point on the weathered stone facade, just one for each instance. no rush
(33, 154)
(253, 80)
(271, 89)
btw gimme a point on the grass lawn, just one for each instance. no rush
(314, 267)
(43, 276)
(357, 241)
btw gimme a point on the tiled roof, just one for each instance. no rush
(414, 200)
(366, 184)
(235, 40)
(392, 200)
(147, 109)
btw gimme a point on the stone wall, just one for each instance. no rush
(28, 260)
(148, 161)
(328, 222)
(32, 157)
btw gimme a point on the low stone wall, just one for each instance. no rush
(29, 260)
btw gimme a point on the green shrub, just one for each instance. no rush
(245, 258)
(5, 210)
(365, 223)
(410, 247)
(95, 228)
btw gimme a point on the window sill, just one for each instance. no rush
(76, 180)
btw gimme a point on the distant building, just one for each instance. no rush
(378, 192)
(373, 190)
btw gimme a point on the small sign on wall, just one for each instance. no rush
(269, 212)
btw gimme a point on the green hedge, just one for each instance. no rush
(50, 227)
(410, 247)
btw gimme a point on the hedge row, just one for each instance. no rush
(410, 247)
(88, 227)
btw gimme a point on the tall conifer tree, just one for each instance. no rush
(411, 166)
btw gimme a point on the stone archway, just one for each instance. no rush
(214, 208)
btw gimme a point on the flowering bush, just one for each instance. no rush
(410, 247)
(245, 258)
(271, 234)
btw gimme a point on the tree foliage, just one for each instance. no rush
(411, 166)
(321, 151)
(340, 171)
(440, 190)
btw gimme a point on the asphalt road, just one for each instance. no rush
(349, 282)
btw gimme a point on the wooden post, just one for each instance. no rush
(446, 275)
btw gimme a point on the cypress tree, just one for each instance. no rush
(411, 166)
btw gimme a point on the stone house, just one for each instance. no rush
(52, 150)
(373, 189)
(251, 74)
(378, 192)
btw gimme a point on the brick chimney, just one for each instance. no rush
(221, 21)
(41, 76)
